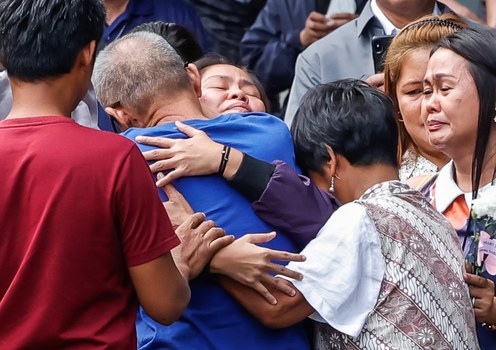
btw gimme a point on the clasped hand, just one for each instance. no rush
(246, 262)
(196, 155)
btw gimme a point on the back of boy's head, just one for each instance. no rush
(41, 39)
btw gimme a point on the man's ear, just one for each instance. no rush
(120, 115)
(195, 78)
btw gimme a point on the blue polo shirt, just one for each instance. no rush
(214, 320)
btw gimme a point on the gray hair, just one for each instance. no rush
(135, 69)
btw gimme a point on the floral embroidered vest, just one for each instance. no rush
(424, 302)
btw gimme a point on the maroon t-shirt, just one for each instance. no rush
(77, 207)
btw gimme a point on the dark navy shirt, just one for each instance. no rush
(144, 11)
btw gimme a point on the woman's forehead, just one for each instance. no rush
(224, 70)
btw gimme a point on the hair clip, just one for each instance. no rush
(435, 21)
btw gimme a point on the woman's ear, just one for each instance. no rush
(331, 165)
(195, 78)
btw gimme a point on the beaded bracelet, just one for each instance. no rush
(223, 160)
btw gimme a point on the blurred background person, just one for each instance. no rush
(282, 30)
(225, 23)
(463, 11)
(178, 36)
(487, 11)
(124, 15)
(347, 52)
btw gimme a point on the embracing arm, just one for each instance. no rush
(286, 312)
(205, 247)
(294, 205)
(284, 199)
(249, 264)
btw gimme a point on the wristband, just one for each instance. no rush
(223, 160)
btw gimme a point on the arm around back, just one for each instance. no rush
(288, 311)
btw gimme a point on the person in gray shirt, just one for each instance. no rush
(85, 113)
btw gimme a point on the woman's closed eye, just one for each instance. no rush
(217, 87)
(414, 92)
(251, 91)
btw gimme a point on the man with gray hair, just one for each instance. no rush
(131, 83)
(144, 85)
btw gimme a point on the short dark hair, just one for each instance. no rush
(42, 38)
(178, 36)
(353, 118)
(478, 48)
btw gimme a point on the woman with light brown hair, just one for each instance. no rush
(404, 70)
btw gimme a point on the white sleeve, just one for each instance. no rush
(343, 270)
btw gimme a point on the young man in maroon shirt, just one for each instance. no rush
(83, 231)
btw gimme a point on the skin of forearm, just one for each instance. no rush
(287, 312)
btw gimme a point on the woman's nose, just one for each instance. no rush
(431, 103)
(238, 94)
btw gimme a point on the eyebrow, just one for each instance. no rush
(439, 76)
(226, 77)
(223, 77)
(415, 82)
